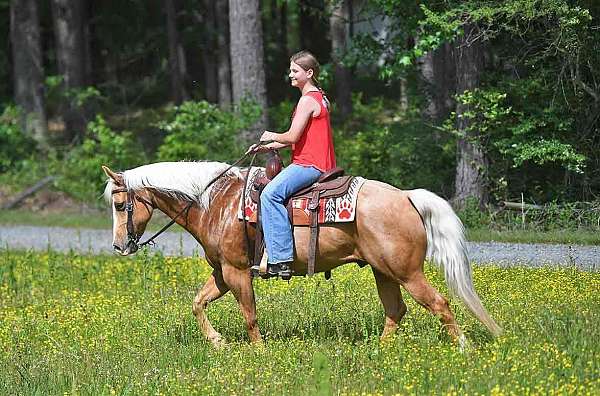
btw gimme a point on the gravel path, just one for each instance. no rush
(181, 243)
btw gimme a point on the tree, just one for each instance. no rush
(177, 66)
(71, 52)
(223, 61)
(472, 164)
(437, 70)
(28, 72)
(340, 22)
(247, 59)
(209, 53)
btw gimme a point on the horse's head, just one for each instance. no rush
(131, 212)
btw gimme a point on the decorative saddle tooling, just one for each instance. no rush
(332, 199)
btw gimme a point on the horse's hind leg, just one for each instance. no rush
(391, 297)
(240, 283)
(214, 288)
(430, 298)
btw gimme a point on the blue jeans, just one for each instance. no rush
(277, 229)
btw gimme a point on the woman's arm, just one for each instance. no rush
(304, 110)
(276, 145)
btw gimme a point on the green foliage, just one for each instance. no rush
(515, 135)
(78, 96)
(472, 216)
(281, 115)
(554, 218)
(15, 146)
(202, 131)
(380, 142)
(80, 172)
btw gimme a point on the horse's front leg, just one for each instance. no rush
(240, 283)
(214, 288)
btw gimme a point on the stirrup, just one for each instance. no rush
(282, 270)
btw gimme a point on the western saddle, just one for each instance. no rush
(331, 184)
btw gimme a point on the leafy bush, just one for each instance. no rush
(380, 142)
(79, 173)
(472, 216)
(15, 146)
(200, 130)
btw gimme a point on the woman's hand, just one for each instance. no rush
(268, 136)
(257, 148)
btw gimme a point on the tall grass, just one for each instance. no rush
(107, 325)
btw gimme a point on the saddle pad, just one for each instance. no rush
(331, 210)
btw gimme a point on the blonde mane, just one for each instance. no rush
(186, 180)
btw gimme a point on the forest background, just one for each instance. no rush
(478, 101)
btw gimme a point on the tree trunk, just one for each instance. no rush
(223, 62)
(339, 29)
(403, 94)
(70, 55)
(437, 80)
(292, 26)
(28, 68)
(472, 164)
(176, 56)
(247, 60)
(209, 55)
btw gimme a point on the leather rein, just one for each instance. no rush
(133, 238)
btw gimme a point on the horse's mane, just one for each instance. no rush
(183, 180)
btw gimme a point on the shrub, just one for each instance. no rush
(79, 173)
(15, 146)
(381, 142)
(200, 130)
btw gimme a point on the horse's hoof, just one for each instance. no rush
(286, 276)
(218, 342)
(464, 345)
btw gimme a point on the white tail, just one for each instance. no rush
(446, 246)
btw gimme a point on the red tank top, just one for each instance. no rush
(315, 146)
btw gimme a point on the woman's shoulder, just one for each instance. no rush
(308, 99)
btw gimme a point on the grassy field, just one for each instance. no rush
(578, 237)
(105, 325)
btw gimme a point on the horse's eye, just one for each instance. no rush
(120, 206)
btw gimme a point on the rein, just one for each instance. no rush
(133, 238)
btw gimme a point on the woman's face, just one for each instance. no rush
(299, 76)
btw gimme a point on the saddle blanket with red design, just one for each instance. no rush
(331, 210)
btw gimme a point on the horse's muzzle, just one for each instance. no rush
(130, 248)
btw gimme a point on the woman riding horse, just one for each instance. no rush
(312, 154)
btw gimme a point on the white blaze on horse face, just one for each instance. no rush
(114, 216)
(119, 224)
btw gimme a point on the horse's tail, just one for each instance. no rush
(446, 246)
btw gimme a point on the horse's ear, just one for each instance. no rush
(116, 177)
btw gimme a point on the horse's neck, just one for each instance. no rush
(178, 209)
(199, 219)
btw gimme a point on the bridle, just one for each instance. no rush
(133, 238)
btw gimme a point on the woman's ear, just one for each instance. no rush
(310, 73)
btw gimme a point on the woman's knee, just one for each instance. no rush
(271, 194)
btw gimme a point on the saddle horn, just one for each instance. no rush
(273, 165)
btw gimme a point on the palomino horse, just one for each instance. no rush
(394, 231)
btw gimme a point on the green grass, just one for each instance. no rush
(104, 325)
(578, 237)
